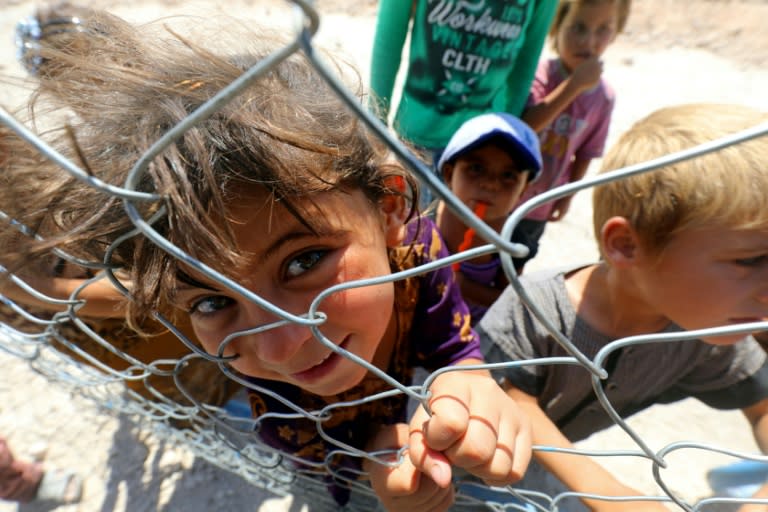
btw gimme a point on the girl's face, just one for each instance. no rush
(487, 174)
(709, 277)
(586, 31)
(289, 266)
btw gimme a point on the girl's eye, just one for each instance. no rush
(210, 305)
(604, 32)
(303, 262)
(752, 262)
(578, 29)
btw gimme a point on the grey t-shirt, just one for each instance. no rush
(724, 377)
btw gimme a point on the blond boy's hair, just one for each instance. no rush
(726, 188)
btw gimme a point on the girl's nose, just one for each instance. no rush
(587, 40)
(274, 345)
(595, 41)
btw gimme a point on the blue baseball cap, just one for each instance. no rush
(522, 141)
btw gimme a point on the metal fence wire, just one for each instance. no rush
(168, 392)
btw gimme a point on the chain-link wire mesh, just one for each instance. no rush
(196, 399)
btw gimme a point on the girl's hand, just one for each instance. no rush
(404, 487)
(587, 74)
(475, 426)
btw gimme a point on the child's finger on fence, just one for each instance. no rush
(513, 451)
(494, 442)
(451, 408)
(404, 487)
(426, 459)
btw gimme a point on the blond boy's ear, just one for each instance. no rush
(395, 212)
(619, 242)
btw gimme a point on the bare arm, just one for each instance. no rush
(584, 77)
(762, 494)
(102, 300)
(578, 473)
(757, 415)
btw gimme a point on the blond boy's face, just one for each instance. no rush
(709, 277)
(487, 174)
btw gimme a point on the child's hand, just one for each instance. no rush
(475, 426)
(587, 74)
(404, 487)
(761, 493)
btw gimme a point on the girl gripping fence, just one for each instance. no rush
(283, 191)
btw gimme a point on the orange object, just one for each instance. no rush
(396, 183)
(469, 234)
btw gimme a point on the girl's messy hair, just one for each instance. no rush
(124, 86)
(721, 189)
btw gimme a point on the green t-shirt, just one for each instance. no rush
(466, 58)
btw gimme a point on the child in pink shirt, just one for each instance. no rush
(570, 106)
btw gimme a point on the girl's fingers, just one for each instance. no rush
(426, 495)
(482, 428)
(431, 462)
(405, 486)
(511, 458)
(476, 427)
(451, 407)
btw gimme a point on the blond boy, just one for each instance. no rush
(683, 248)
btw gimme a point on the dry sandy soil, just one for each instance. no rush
(673, 51)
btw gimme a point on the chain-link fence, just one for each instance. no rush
(195, 398)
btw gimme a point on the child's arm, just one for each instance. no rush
(474, 425)
(584, 77)
(762, 494)
(757, 415)
(392, 24)
(102, 300)
(578, 170)
(579, 473)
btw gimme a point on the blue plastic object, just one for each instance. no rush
(238, 408)
(738, 480)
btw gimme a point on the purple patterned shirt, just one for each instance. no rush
(433, 331)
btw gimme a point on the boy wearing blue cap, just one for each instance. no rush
(487, 164)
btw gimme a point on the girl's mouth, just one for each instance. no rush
(323, 368)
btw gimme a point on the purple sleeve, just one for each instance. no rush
(441, 333)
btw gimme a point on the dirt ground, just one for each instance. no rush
(672, 51)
